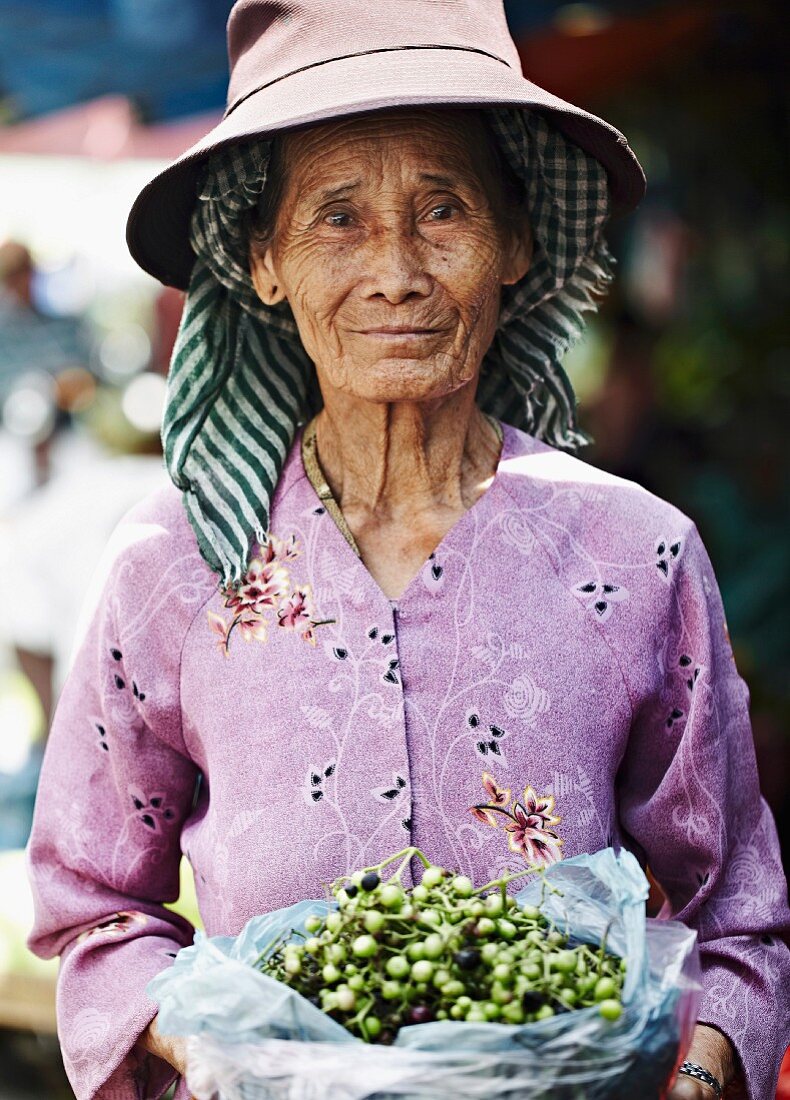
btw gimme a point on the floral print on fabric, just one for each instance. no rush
(267, 596)
(526, 823)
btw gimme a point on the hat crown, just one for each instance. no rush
(270, 39)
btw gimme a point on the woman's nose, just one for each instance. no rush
(395, 267)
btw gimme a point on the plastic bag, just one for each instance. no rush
(261, 1040)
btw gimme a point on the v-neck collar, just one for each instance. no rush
(319, 488)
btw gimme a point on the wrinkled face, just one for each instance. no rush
(390, 245)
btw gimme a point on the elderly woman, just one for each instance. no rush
(383, 603)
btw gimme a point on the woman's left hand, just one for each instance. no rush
(713, 1051)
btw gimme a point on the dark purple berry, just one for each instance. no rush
(351, 890)
(370, 881)
(467, 958)
(420, 1014)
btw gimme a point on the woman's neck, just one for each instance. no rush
(393, 462)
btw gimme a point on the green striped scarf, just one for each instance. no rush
(240, 381)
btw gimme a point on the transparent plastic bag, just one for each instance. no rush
(256, 1039)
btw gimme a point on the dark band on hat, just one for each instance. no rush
(360, 53)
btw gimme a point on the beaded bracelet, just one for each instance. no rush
(691, 1069)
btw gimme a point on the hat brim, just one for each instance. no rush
(157, 230)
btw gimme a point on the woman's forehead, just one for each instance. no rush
(441, 144)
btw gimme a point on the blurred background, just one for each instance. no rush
(683, 377)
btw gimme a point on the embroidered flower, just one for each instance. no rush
(529, 824)
(266, 594)
(525, 700)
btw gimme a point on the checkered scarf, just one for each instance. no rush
(240, 381)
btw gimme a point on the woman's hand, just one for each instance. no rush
(171, 1048)
(713, 1051)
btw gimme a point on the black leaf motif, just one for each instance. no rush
(662, 565)
(373, 632)
(169, 815)
(496, 731)
(661, 548)
(436, 571)
(340, 653)
(482, 748)
(105, 746)
(101, 729)
(148, 820)
(391, 677)
(690, 685)
(401, 782)
(767, 940)
(141, 696)
(674, 549)
(319, 511)
(394, 662)
(601, 606)
(387, 638)
(474, 721)
(494, 748)
(315, 779)
(134, 690)
(677, 713)
(406, 823)
(703, 879)
(685, 660)
(316, 795)
(329, 770)
(696, 673)
(119, 683)
(138, 805)
(590, 586)
(156, 802)
(116, 654)
(610, 588)
(389, 795)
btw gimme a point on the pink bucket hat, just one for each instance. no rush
(297, 62)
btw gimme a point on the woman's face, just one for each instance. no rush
(390, 245)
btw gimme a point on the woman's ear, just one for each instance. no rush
(518, 252)
(264, 277)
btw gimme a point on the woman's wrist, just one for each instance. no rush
(711, 1049)
(169, 1048)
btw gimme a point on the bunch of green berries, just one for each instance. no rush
(390, 956)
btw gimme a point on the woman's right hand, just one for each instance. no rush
(171, 1048)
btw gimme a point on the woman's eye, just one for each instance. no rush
(442, 213)
(338, 219)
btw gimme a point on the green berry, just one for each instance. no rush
(397, 966)
(420, 893)
(312, 945)
(452, 990)
(330, 973)
(373, 921)
(415, 950)
(391, 896)
(336, 953)
(513, 1013)
(500, 995)
(489, 952)
(462, 886)
(346, 998)
(391, 991)
(441, 977)
(334, 921)
(364, 947)
(506, 928)
(292, 964)
(432, 946)
(371, 1025)
(610, 1009)
(502, 973)
(491, 1010)
(432, 876)
(422, 970)
(312, 924)
(494, 905)
(605, 989)
(564, 962)
(545, 1012)
(485, 927)
(356, 982)
(530, 912)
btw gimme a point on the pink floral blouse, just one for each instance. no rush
(557, 678)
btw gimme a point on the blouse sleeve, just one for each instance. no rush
(689, 797)
(104, 852)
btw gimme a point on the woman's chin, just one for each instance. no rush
(400, 379)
